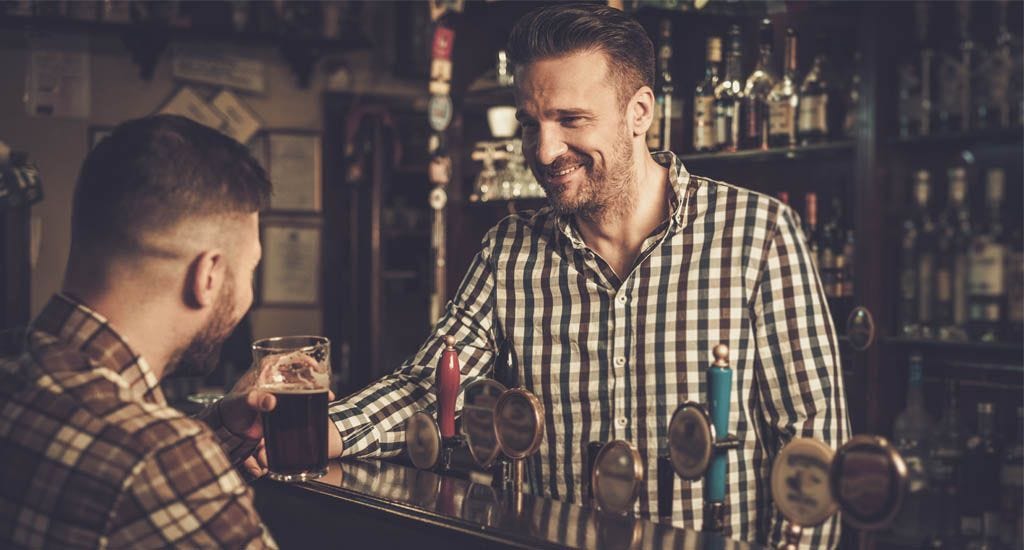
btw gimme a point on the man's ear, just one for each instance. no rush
(641, 110)
(205, 277)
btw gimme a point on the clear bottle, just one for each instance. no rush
(755, 93)
(979, 516)
(659, 135)
(944, 470)
(917, 262)
(1011, 489)
(986, 263)
(784, 99)
(953, 238)
(812, 122)
(954, 77)
(911, 432)
(915, 81)
(729, 95)
(704, 99)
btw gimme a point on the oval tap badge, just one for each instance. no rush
(440, 112)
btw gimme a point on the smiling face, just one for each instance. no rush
(576, 138)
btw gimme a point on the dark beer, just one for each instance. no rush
(296, 434)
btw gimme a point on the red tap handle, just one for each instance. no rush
(447, 387)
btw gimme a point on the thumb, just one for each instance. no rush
(261, 401)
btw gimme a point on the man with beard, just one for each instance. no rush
(609, 301)
(164, 243)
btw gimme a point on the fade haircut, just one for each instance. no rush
(563, 29)
(153, 173)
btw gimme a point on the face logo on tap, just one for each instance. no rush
(801, 482)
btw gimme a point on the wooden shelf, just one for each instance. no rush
(835, 149)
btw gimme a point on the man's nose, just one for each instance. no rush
(550, 144)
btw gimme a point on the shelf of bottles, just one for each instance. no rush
(961, 256)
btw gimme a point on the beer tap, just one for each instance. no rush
(429, 442)
(519, 429)
(800, 487)
(697, 444)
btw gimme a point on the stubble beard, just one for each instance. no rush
(200, 356)
(607, 192)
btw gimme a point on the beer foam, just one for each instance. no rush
(294, 371)
(293, 390)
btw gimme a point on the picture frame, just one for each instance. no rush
(290, 271)
(293, 163)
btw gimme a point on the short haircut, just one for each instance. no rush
(563, 29)
(152, 173)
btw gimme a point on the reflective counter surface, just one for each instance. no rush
(439, 506)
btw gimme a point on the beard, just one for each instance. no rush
(605, 191)
(200, 356)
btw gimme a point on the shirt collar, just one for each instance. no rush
(76, 325)
(679, 197)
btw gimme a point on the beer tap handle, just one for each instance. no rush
(666, 478)
(719, 390)
(447, 388)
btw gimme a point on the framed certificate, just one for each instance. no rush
(293, 164)
(290, 269)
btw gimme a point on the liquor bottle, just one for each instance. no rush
(729, 96)
(986, 293)
(659, 136)
(784, 99)
(1011, 489)
(993, 74)
(910, 433)
(755, 93)
(704, 99)
(830, 249)
(915, 81)
(811, 227)
(953, 234)
(979, 516)
(916, 262)
(812, 121)
(851, 119)
(944, 469)
(955, 69)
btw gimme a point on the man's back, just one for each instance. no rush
(94, 457)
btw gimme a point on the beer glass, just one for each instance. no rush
(297, 370)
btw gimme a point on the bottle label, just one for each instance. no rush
(985, 273)
(812, 114)
(781, 120)
(704, 123)
(723, 123)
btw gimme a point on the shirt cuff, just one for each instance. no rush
(359, 436)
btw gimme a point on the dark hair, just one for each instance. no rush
(562, 29)
(153, 172)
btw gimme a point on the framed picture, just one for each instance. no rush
(289, 273)
(293, 164)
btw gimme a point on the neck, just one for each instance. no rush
(619, 235)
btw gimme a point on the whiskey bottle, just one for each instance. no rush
(979, 516)
(755, 93)
(704, 99)
(986, 263)
(812, 123)
(784, 99)
(659, 136)
(729, 96)
(916, 262)
(944, 471)
(953, 236)
(910, 433)
(915, 81)
(955, 70)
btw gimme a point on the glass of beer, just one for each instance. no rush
(297, 370)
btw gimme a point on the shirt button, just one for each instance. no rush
(620, 422)
(621, 299)
(620, 361)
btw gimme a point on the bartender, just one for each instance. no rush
(610, 299)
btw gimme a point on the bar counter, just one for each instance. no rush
(379, 504)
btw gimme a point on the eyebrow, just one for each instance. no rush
(555, 113)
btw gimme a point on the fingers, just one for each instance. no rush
(253, 468)
(330, 395)
(261, 455)
(261, 401)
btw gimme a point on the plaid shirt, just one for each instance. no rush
(612, 358)
(94, 457)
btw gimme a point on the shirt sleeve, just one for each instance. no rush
(186, 495)
(799, 371)
(371, 421)
(235, 447)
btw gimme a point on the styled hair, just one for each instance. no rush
(563, 29)
(153, 173)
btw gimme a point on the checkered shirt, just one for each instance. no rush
(93, 456)
(612, 358)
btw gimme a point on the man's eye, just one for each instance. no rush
(572, 121)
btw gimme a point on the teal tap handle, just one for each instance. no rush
(719, 390)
